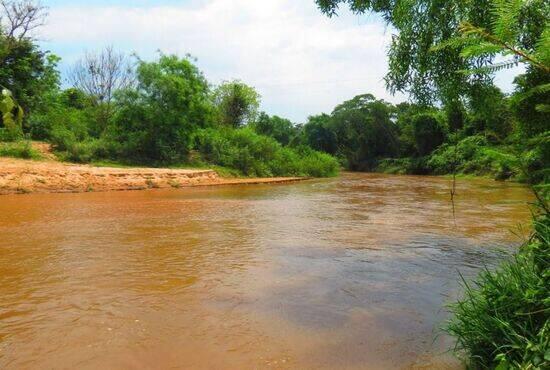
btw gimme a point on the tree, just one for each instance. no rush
(100, 75)
(281, 129)
(416, 62)
(507, 37)
(364, 131)
(18, 18)
(530, 102)
(237, 103)
(504, 37)
(319, 134)
(489, 113)
(28, 72)
(359, 131)
(428, 133)
(154, 121)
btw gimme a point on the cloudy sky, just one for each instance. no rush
(301, 62)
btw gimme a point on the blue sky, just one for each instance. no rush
(300, 61)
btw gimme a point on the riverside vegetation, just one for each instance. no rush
(165, 113)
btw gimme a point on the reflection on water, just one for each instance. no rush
(350, 272)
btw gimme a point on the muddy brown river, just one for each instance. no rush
(345, 273)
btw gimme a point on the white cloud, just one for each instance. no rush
(300, 61)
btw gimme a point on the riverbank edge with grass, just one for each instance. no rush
(20, 176)
(31, 167)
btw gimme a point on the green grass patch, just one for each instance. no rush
(19, 149)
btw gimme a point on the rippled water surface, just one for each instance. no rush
(350, 272)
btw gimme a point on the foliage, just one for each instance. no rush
(11, 117)
(257, 155)
(428, 133)
(489, 113)
(281, 129)
(535, 159)
(531, 101)
(503, 321)
(503, 37)
(358, 131)
(473, 155)
(319, 135)
(237, 103)
(428, 48)
(70, 109)
(19, 149)
(27, 71)
(155, 120)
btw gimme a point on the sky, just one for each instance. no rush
(301, 62)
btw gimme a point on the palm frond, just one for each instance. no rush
(482, 48)
(542, 108)
(505, 23)
(491, 68)
(452, 43)
(542, 48)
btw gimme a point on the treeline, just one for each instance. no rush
(126, 110)
(164, 112)
(493, 135)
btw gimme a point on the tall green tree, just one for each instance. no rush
(281, 129)
(358, 131)
(26, 70)
(237, 103)
(155, 120)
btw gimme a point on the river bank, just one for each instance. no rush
(20, 176)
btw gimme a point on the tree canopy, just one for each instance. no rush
(429, 73)
(237, 103)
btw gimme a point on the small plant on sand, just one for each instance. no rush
(174, 184)
(151, 184)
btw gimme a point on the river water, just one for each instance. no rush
(349, 273)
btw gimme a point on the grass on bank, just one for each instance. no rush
(222, 171)
(503, 321)
(19, 149)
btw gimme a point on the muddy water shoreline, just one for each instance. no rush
(350, 272)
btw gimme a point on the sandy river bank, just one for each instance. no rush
(50, 176)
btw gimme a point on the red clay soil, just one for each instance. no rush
(51, 176)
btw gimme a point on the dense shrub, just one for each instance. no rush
(504, 319)
(257, 155)
(473, 155)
